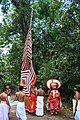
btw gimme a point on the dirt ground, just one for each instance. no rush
(64, 114)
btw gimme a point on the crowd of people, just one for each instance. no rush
(21, 98)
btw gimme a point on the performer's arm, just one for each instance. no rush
(50, 97)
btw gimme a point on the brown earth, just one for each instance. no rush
(65, 114)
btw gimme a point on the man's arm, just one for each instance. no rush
(7, 101)
(76, 98)
(25, 99)
(16, 97)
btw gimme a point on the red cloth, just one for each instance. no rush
(54, 100)
(31, 103)
(54, 105)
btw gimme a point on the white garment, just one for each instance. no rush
(77, 115)
(20, 111)
(74, 103)
(4, 111)
(40, 106)
(9, 99)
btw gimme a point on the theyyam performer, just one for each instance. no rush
(54, 98)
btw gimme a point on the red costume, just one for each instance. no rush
(31, 101)
(54, 98)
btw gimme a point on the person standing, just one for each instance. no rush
(33, 96)
(20, 110)
(77, 104)
(54, 99)
(9, 97)
(9, 92)
(40, 102)
(4, 104)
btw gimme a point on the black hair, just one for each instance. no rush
(78, 87)
(21, 88)
(8, 84)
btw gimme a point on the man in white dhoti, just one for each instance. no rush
(77, 115)
(4, 103)
(76, 104)
(9, 98)
(40, 102)
(9, 92)
(3, 111)
(20, 110)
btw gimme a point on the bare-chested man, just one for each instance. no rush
(40, 102)
(4, 103)
(9, 91)
(77, 103)
(20, 111)
(9, 94)
(40, 91)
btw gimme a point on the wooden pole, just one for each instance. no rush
(31, 20)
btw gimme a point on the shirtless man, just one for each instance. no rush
(9, 91)
(40, 91)
(77, 105)
(20, 111)
(4, 103)
(9, 96)
(40, 102)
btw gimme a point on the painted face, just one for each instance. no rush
(54, 86)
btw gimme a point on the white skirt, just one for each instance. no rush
(4, 111)
(40, 106)
(20, 111)
(77, 115)
(74, 103)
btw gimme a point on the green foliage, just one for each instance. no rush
(14, 63)
(58, 46)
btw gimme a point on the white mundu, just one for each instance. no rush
(40, 106)
(74, 103)
(77, 115)
(20, 111)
